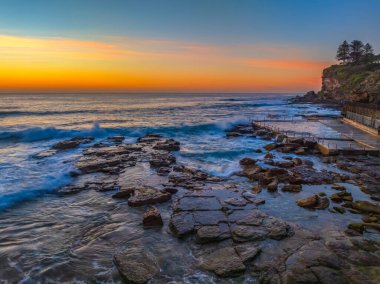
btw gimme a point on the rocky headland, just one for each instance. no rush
(344, 83)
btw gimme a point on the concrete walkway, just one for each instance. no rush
(333, 135)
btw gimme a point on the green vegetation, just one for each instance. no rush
(355, 53)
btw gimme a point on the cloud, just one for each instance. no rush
(127, 63)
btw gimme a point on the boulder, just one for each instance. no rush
(314, 201)
(135, 265)
(308, 202)
(152, 217)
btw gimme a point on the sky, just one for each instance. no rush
(177, 45)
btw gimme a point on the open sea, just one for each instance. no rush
(72, 239)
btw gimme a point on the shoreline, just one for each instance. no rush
(220, 221)
(286, 213)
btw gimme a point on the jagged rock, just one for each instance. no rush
(135, 265)
(167, 145)
(72, 143)
(116, 138)
(152, 217)
(145, 196)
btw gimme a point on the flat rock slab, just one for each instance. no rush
(135, 265)
(197, 203)
(229, 261)
(146, 196)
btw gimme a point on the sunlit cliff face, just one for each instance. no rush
(136, 64)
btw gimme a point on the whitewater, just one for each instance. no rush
(32, 123)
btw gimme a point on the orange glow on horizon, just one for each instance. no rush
(124, 64)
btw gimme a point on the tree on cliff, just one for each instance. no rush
(343, 53)
(356, 51)
(368, 55)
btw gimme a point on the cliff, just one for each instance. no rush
(348, 83)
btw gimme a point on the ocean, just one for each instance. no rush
(72, 239)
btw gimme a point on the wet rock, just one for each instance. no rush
(338, 187)
(270, 147)
(135, 265)
(297, 161)
(145, 196)
(224, 262)
(212, 233)
(171, 190)
(281, 138)
(268, 156)
(257, 188)
(323, 203)
(273, 172)
(150, 138)
(370, 219)
(163, 171)
(292, 187)
(243, 233)
(366, 206)
(300, 151)
(284, 164)
(90, 165)
(308, 202)
(310, 258)
(167, 145)
(273, 185)
(197, 203)
(124, 193)
(247, 162)
(116, 139)
(162, 160)
(247, 251)
(258, 151)
(152, 217)
(182, 224)
(72, 143)
(212, 217)
(340, 210)
(238, 202)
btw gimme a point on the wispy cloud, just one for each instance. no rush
(111, 62)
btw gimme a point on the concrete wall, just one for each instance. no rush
(363, 119)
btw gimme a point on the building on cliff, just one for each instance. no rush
(364, 116)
